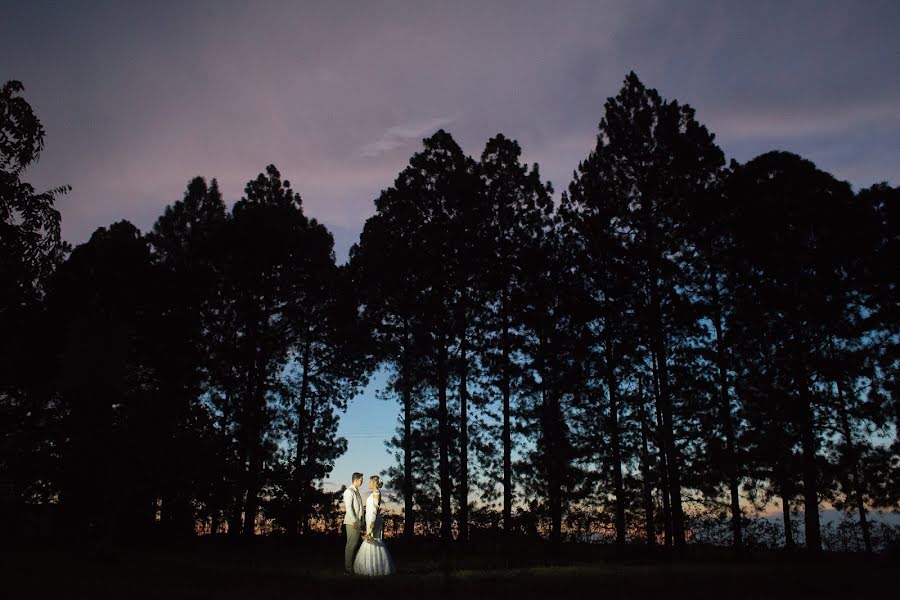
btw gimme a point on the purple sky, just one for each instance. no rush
(138, 97)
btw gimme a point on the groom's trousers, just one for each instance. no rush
(350, 550)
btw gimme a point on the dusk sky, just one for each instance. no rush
(137, 98)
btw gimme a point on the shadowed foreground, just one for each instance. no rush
(280, 571)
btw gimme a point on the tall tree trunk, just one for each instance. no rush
(786, 494)
(251, 507)
(554, 499)
(409, 517)
(810, 472)
(781, 465)
(612, 385)
(252, 504)
(733, 468)
(175, 513)
(555, 476)
(672, 458)
(463, 441)
(251, 440)
(299, 463)
(663, 466)
(507, 431)
(665, 403)
(550, 426)
(646, 488)
(234, 493)
(236, 519)
(305, 508)
(444, 444)
(653, 251)
(854, 463)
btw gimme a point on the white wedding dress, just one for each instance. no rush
(373, 558)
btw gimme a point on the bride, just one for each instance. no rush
(373, 557)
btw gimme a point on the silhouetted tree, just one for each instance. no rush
(590, 213)
(388, 299)
(332, 359)
(181, 240)
(855, 344)
(30, 244)
(651, 162)
(789, 230)
(102, 305)
(674, 330)
(420, 230)
(722, 423)
(261, 254)
(880, 344)
(516, 210)
(551, 382)
(30, 250)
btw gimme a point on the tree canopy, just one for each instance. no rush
(674, 350)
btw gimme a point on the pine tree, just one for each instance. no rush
(788, 237)
(179, 242)
(516, 211)
(419, 234)
(652, 161)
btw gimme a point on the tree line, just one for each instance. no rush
(675, 335)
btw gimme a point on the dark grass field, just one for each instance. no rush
(269, 569)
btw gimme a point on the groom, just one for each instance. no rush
(352, 517)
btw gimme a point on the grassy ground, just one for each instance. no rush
(268, 570)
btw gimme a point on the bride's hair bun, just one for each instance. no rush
(378, 481)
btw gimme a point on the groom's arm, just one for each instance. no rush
(348, 507)
(351, 509)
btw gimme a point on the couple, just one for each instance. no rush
(372, 558)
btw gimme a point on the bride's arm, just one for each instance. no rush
(370, 516)
(376, 498)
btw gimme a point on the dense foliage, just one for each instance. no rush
(674, 345)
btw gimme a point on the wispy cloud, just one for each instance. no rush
(802, 121)
(400, 135)
(339, 99)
